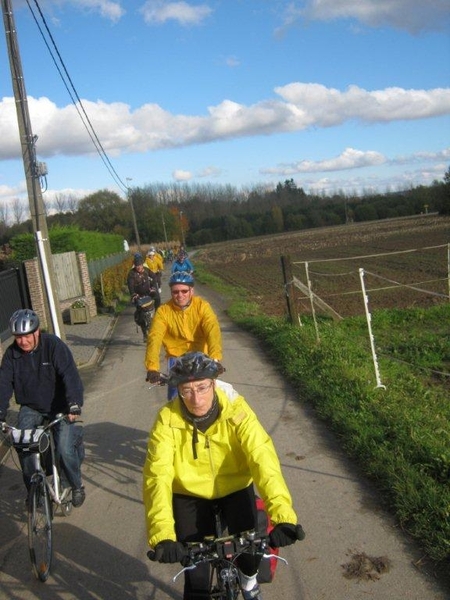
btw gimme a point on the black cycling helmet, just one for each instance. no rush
(181, 277)
(193, 366)
(138, 259)
(23, 322)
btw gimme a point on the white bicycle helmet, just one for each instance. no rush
(24, 322)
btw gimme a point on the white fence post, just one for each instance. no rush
(311, 299)
(369, 325)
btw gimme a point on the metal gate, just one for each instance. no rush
(13, 295)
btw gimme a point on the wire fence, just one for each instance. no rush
(333, 290)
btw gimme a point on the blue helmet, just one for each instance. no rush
(181, 277)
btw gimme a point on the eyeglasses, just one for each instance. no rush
(176, 292)
(201, 390)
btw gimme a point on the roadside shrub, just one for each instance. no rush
(111, 286)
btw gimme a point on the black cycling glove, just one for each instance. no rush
(153, 376)
(169, 551)
(285, 534)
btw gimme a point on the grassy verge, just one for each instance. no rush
(400, 434)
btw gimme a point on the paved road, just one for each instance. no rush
(100, 548)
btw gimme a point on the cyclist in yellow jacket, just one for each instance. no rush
(185, 323)
(208, 448)
(154, 261)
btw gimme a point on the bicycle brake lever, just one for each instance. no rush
(277, 556)
(183, 570)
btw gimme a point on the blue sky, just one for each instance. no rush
(339, 95)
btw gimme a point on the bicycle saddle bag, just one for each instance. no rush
(145, 302)
(30, 440)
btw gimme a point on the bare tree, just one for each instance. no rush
(18, 210)
(72, 203)
(4, 213)
(60, 203)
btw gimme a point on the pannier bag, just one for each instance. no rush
(145, 302)
(267, 566)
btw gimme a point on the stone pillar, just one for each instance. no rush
(86, 283)
(35, 289)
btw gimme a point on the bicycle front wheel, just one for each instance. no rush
(40, 530)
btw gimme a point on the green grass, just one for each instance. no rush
(400, 435)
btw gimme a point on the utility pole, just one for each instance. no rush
(33, 171)
(182, 230)
(133, 214)
(164, 227)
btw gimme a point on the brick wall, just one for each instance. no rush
(37, 295)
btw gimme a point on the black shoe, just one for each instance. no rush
(78, 496)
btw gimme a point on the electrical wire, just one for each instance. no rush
(76, 100)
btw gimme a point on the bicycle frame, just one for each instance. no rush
(42, 492)
(57, 494)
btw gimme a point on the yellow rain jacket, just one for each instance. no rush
(234, 451)
(194, 329)
(155, 263)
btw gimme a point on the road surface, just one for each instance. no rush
(100, 550)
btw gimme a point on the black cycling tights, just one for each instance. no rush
(195, 519)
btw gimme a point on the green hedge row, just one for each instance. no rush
(68, 239)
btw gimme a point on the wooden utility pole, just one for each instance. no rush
(133, 215)
(33, 172)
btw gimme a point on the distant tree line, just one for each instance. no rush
(202, 214)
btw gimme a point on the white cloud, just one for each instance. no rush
(209, 171)
(327, 107)
(107, 8)
(376, 183)
(422, 157)
(150, 127)
(349, 159)
(160, 11)
(180, 175)
(409, 15)
(232, 61)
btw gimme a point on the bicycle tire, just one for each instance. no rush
(40, 541)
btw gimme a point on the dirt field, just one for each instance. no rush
(404, 262)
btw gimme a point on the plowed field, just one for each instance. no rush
(404, 263)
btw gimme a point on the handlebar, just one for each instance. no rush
(5, 427)
(225, 548)
(163, 380)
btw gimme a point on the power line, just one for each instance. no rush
(77, 103)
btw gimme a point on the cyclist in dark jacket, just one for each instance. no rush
(142, 282)
(39, 369)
